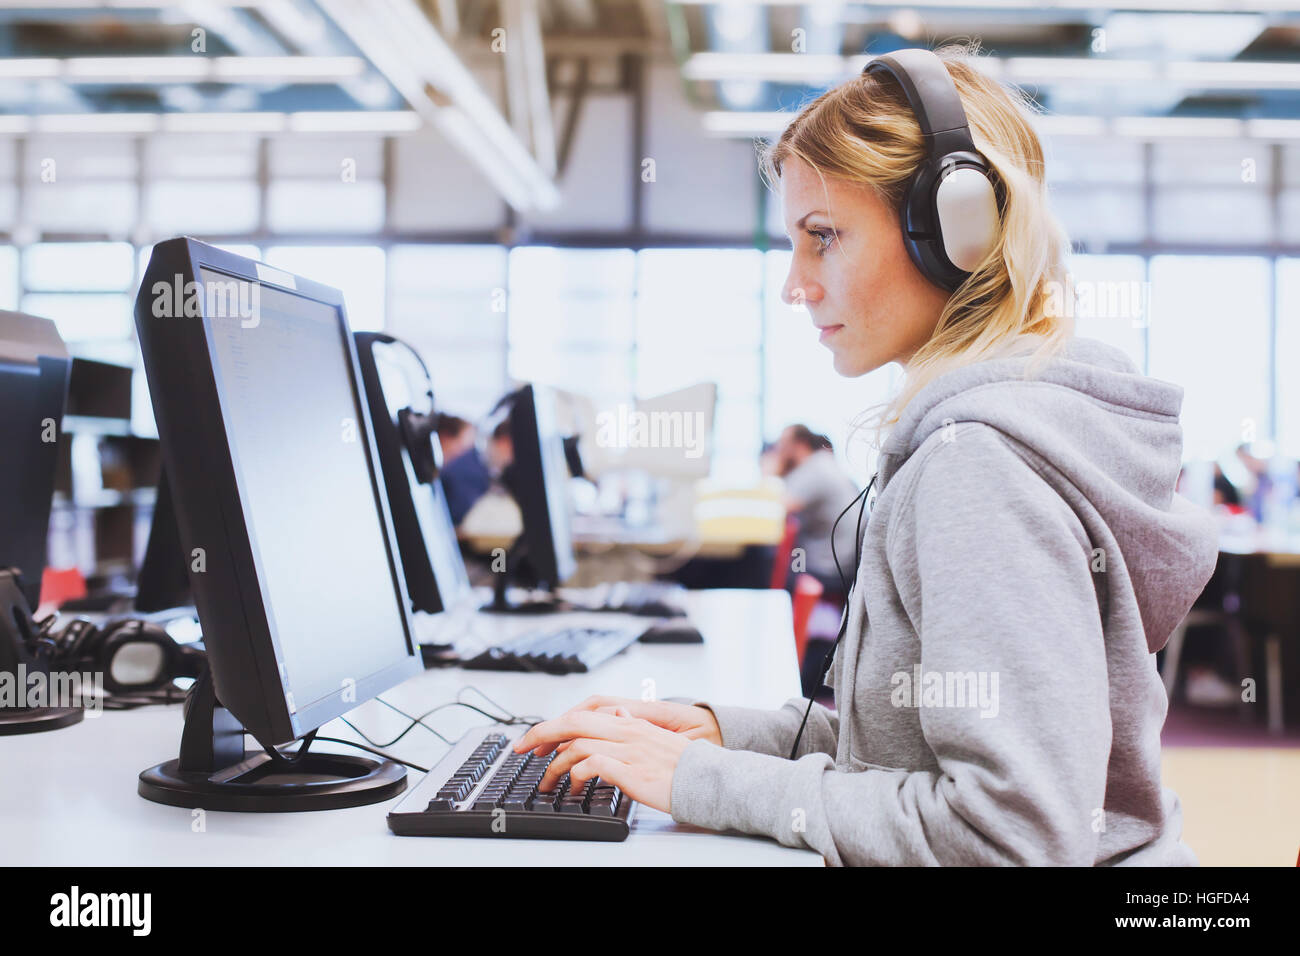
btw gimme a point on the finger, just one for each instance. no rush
(568, 726)
(608, 768)
(579, 751)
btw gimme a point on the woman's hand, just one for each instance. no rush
(635, 755)
(685, 719)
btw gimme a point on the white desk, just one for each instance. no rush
(68, 797)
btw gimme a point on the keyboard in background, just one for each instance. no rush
(556, 650)
(643, 598)
(482, 788)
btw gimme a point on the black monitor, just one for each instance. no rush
(163, 582)
(273, 474)
(34, 368)
(436, 579)
(538, 480)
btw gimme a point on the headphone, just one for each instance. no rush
(417, 429)
(950, 210)
(135, 656)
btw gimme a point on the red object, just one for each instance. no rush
(807, 592)
(59, 585)
(784, 550)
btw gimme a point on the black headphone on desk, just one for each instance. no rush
(135, 656)
(950, 212)
(417, 429)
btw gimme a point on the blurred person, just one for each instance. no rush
(997, 695)
(817, 491)
(465, 473)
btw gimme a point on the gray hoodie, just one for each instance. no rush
(997, 695)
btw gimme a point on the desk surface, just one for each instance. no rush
(69, 797)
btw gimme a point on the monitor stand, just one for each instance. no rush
(35, 720)
(214, 773)
(501, 604)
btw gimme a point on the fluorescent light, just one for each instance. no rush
(359, 121)
(187, 69)
(255, 122)
(1273, 129)
(96, 123)
(27, 68)
(756, 123)
(300, 69)
(356, 121)
(1159, 127)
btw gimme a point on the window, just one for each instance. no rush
(356, 271)
(1111, 302)
(802, 386)
(571, 320)
(1287, 351)
(700, 319)
(1210, 334)
(83, 286)
(449, 303)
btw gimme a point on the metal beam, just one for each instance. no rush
(397, 37)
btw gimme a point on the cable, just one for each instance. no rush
(848, 591)
(511, 719)
(375, 751)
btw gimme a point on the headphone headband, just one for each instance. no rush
(929, 91)
(950, 210)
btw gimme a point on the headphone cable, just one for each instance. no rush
(848, 591)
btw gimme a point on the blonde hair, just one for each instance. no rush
(864, 132)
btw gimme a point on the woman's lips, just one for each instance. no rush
(828, 331)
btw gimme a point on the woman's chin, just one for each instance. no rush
(851, 366)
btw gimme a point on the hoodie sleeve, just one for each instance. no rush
(773, 731)
(993, 569)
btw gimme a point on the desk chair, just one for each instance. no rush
(1218, 608)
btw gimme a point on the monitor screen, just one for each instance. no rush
(295, 427)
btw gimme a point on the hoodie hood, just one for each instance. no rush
(1115, 437)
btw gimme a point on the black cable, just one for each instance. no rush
(281, 759)
(511, 719)
(375, 751)
(848, 591)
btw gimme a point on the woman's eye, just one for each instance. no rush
(822, 238)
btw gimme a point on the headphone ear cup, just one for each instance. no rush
(417, 435)
(966, 214)
(921, 233)
(964, 198)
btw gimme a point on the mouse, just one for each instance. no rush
(676, 630)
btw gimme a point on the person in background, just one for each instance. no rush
(817, 490)
(1225, 492)
(465, 475)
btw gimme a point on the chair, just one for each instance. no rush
(784, 551)
(807, 592)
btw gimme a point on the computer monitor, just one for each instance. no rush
(436, 579)
(163, 582)
(538, 480)
(34, 369)
(273, 474)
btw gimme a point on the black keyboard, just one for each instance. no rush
(569, 650)
(485, 789)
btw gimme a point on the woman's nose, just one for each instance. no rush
(797, 291)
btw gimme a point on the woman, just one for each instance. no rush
(1024, 558)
